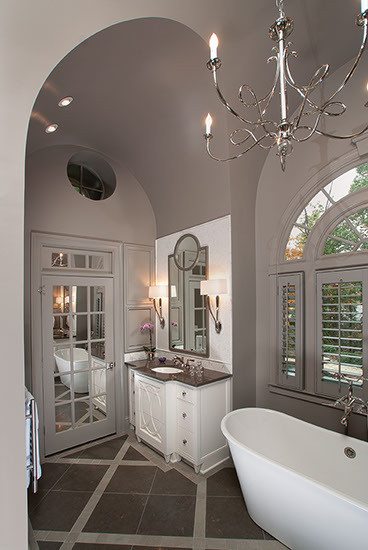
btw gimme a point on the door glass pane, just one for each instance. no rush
(81, 384)
(97, 326)
(60, 298)
(97, 294)
(80, 357)
(60, 327)
(63, 417)
(82, 412)
(198, 299)
(99, 408)
(96, 262)
(98, 382)
(78, 261)
(80, 327)
(98, 350)
(62, 392)
(58, 259)
(79, 299)
(199, 318)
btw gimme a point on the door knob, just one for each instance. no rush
(111, 365)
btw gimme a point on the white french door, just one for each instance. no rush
(78, 360)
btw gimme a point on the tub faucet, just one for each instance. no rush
(350, 402)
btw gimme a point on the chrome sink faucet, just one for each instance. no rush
(350, 402)
(179, 360)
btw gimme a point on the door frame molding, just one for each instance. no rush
(38, 242)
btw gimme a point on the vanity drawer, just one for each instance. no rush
(185, 415)
(185, 443)
(185, 394)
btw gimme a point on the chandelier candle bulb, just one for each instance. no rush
(214, 43)
(208, 124)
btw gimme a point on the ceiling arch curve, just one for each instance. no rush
(140, 96)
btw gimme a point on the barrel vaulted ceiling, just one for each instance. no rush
(141, 90)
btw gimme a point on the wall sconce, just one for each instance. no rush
(157, 293)
(214, 287)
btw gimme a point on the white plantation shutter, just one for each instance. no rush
(290, 330)
(341, 328)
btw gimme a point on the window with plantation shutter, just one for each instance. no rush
(341, 328)
(290, 321)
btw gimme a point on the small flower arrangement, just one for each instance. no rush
(174, 324)
(149, 350)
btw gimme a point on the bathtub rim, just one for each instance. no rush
(356, 502)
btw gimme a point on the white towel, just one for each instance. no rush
(37, 464)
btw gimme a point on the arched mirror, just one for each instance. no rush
(186, 252)
(188, 316)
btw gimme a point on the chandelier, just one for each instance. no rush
(282, 134)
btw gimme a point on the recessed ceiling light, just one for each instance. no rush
(51, 128)
(65, 101)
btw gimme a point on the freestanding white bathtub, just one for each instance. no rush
(80, 359)
(297, 482)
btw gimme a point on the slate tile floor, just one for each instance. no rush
(120, 495)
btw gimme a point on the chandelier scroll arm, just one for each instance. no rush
(313, 83)
(300, 89)
(223, 100)
(268, 97)
(257, 104)
(257, 142)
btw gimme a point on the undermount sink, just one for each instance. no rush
(167, 370)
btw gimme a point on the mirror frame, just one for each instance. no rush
(186, 351)
(178, 243)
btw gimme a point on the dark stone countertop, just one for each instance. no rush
(196, 381)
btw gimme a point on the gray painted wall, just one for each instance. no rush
(275, 193)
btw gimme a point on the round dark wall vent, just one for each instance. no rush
(91, 176)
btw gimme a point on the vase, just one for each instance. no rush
(150, 355)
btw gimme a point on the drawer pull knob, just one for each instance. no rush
(184, 393)
(184, 415)
(185, 441)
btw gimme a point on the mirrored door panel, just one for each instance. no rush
(77, 316)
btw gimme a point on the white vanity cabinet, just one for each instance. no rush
(154, 421)
(199, 412)
(182, 421)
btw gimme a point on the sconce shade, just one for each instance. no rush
(158, 291)
(59, 300)
(214, 287)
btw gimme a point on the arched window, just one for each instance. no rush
(350, 235)
(321, 287)
(327, 197)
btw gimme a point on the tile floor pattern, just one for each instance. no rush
(120, 495)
